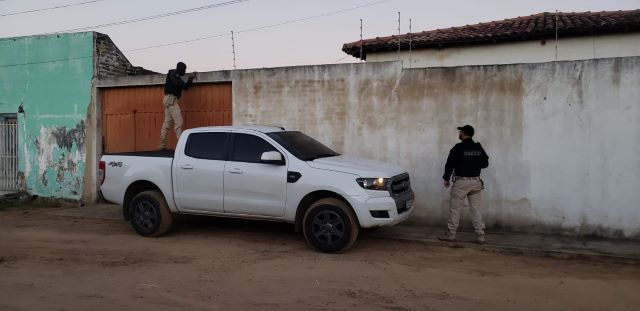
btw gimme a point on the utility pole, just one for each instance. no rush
(361, 40)
(233, 49)
(556, 35)
(410, 43)
(398, 32)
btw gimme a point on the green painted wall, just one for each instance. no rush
(51, 78)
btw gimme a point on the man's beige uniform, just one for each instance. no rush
(172, 114)
(463, 189)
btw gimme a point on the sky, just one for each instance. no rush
(316, 37)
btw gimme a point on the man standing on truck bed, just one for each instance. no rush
(465, 161)
(172, 91)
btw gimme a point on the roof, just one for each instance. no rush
(533, 27)
(257, 128)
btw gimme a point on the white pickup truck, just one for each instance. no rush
(259, 173)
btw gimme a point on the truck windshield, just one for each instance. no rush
(302, 146)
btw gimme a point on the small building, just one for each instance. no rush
(537, 38)
(46, 91)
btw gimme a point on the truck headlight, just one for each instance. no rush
(373, 183)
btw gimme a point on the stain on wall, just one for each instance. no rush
(50, 77)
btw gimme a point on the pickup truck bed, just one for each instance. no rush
(152, 154)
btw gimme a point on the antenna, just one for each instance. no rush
(556, 35)
(361, 41)
(409, 43)
(233, 49)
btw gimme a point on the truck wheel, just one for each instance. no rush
(150, 214)
(330, 225)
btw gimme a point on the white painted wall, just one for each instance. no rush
(563, 137)
(581, 48)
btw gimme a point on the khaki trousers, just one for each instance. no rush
(462, 190)
(171, 114)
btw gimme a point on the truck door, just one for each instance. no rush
(199, 172)
(252, 187)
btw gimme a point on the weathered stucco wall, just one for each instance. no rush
(562, 136)
(50, 77)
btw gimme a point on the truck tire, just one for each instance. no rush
(150, 214)
(330, 226)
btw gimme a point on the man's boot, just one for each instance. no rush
(448, 236)
(480, 239)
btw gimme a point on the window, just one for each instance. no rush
(209, 146)
(249, 148)
(302, 146)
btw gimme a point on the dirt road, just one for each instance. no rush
(64, 263)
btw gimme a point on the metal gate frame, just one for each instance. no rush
(9, 154)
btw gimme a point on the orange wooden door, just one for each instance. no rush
(132, 116)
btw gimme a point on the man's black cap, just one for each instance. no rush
(467, 129)
(181, 68)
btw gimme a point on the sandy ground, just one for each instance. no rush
(64, 263)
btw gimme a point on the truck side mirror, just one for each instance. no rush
(272, 157)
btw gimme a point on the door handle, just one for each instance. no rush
(186, 167)
(236, 171)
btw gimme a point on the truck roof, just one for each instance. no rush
(257, 128)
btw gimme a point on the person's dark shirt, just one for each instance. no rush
(466, 158)
(174, 84)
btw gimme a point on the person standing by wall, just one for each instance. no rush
(466, 160)
(176, 82)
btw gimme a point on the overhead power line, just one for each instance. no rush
(214, 36)
(177, 42)
(316, 16)
(341, 59)
(46, 61)
(50, 8)
(260, 27)
(147, 18)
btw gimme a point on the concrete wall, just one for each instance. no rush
(109, 62)
(50, 77)
(537, 51)
(562, 136)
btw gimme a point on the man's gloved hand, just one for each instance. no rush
(194, 75)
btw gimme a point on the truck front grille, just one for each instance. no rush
(400, 184)
(403, 209)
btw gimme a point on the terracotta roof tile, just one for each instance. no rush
(533, 27)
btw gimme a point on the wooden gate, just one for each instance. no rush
(132, 116)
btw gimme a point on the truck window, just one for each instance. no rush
(208, 146)
(302, 146)
(249, 148)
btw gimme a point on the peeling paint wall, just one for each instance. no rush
(50, 77)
